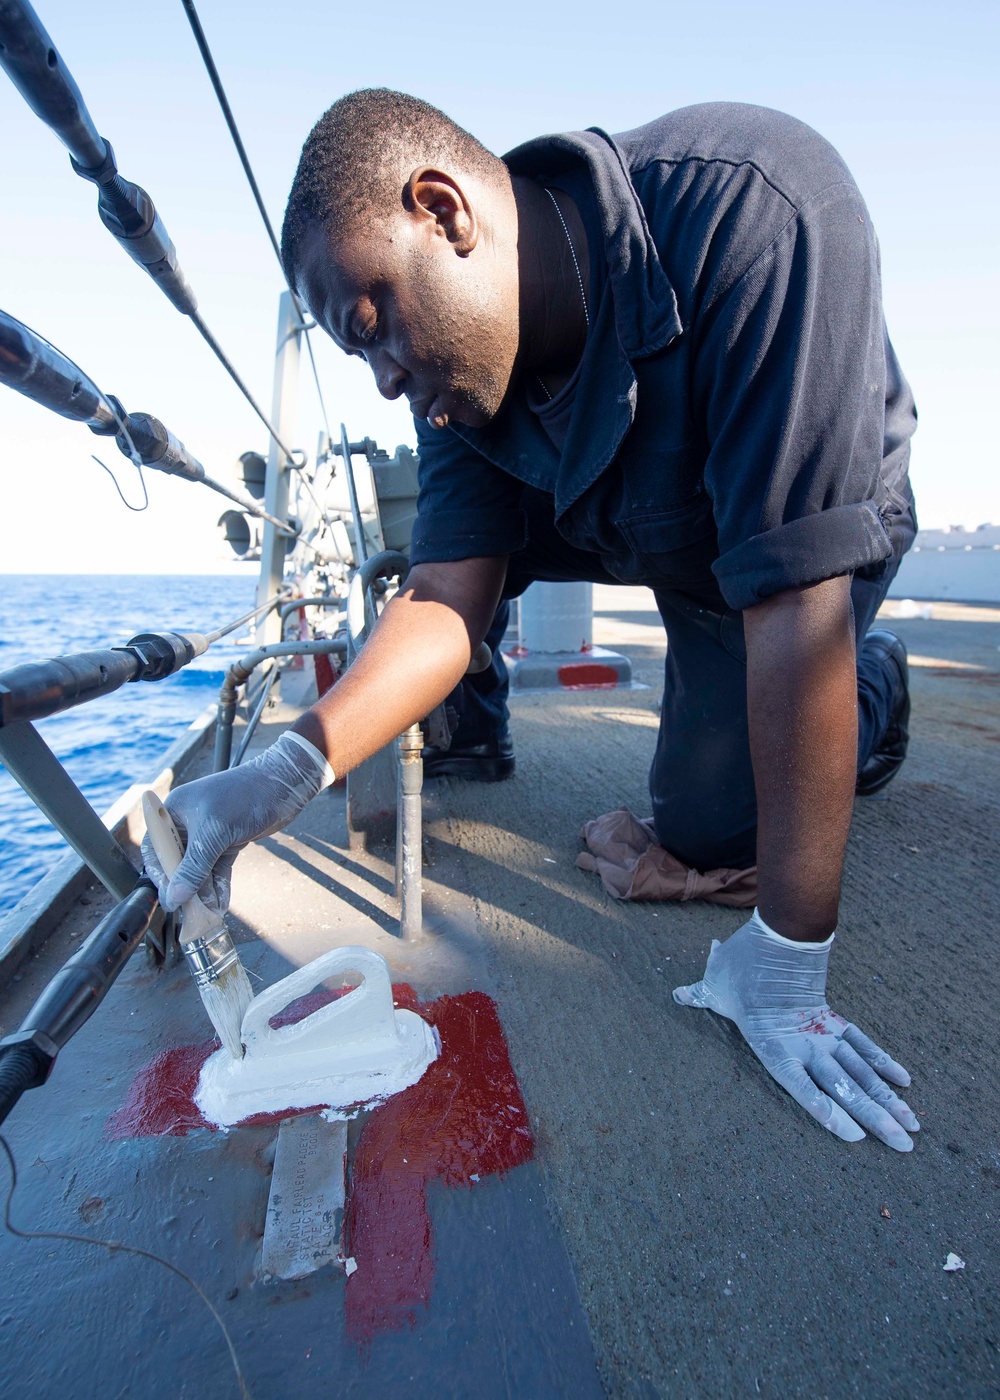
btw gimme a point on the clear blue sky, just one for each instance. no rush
(908, 92)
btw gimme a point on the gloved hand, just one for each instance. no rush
(775, 991)
(224, 812)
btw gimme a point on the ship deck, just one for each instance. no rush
(682, 1228)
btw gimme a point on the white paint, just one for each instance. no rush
(557, 617)
(355, 1050)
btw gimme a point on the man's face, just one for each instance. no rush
(432, 324)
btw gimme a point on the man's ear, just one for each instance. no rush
(436, 197)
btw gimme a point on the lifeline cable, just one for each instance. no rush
(230, 369)
(223, 358)
(118, 1247)
(40, 74)
(253, 614)
(133, 456)
(227, 112)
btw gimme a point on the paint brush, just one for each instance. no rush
(205, 941)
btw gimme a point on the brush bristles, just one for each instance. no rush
(226, 1000)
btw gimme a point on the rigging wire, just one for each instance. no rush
(252, 615)
(215, 79)
(227, 112)
(230, 369)
(118, 1247)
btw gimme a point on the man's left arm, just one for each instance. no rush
(770, 976)
(803, 715)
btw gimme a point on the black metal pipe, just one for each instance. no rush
(36, 69)
(73, 995)
(35, 368)
(158, 448)
(29, 364)
(39, 688)
(38, 72)
(130, 216)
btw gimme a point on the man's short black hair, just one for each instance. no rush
(351, 164)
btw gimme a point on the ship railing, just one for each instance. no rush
(34, 367)
(38, 70)
(38, 689)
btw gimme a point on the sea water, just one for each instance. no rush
(109, 743)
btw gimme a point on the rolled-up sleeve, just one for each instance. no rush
(466, 507)
(792, 379)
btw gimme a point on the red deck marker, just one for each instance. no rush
(465, 1119)
(587, 675)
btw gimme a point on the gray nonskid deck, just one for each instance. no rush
(718, 1242)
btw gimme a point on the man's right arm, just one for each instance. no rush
(415, 656)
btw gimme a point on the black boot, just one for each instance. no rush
(890, 752)
(491, 762)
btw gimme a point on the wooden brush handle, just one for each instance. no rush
(163, 834)
(199, 920)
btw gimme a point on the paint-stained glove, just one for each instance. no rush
(220, 814)
(775, 991)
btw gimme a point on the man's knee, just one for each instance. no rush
(704, 834)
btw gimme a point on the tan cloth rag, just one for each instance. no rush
(624, 852)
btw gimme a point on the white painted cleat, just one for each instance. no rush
(353, 1050)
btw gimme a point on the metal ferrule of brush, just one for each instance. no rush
(209, 958)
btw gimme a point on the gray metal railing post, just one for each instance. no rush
(33, 764)
(283, 405)
(409, 832)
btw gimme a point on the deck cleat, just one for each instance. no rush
(352, 1050)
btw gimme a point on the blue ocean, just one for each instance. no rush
(115, 741)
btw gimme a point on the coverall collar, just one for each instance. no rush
(637, 317)
(646, 312)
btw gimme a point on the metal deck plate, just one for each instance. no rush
(305, 1209)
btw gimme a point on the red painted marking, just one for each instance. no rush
(587, 675)
(160, 1100)
(325, 675)
(302, 1007)
(466, 1117)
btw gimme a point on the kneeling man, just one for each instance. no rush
(657, 358)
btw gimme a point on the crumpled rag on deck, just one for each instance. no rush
(624, 852)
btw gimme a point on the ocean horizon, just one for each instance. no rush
(112, 742)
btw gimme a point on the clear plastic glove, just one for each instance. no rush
(775, 991)
(220, 814)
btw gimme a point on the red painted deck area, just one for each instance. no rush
(463, 1121)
